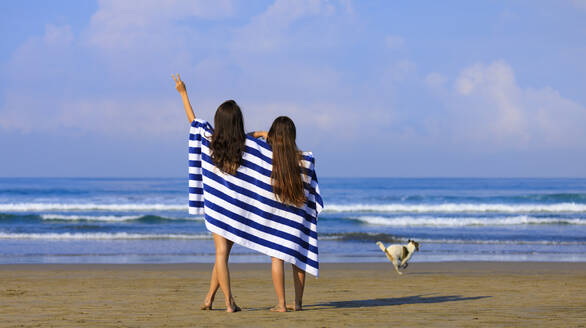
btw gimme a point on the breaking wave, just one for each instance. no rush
(458, 208)
(404, 221)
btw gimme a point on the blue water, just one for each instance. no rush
(146, 221)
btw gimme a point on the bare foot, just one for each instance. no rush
(233, 308)
(296, 307)
(278, 308)
(207, 304)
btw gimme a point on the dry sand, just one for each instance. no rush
(359, 295)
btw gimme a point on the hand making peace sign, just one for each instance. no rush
(179, 85)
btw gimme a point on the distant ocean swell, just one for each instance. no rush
(72, 207)
(7, 218)
(458, 208)
(400, 221)
(543, 198)
(569, 207)
(410, 221)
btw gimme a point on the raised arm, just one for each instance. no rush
(180, 86)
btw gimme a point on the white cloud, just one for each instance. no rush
(267, 32)
(130, 118)
(488, 107)
(130, 37)
(49, 91)
(126, 24)
(318, 122)
(560, 121)
(37, 75)
(494, 85)
(485, 104)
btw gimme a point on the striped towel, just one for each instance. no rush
(243, 208)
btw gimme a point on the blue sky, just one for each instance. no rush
(376, 88)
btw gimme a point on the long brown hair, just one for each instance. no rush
(228, 138)
(286, 175)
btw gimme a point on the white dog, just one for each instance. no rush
(399, 254)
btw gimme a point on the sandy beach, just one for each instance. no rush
(368, 294)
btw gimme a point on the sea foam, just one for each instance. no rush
(458, 208)
(463, 221)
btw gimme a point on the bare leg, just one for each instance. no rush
(279, 283)
(214, 285)
(223, 247)
(299, 283)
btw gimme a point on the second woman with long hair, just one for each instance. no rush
(288, 187)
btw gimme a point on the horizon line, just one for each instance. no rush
(321, 177)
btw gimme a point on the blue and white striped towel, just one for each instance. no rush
(243, 208)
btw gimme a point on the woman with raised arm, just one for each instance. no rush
(227, 145)
(250, 195)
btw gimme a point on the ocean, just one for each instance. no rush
(111, 220)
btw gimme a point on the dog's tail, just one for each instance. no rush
(382, 247)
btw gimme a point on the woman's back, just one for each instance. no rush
(242, 206)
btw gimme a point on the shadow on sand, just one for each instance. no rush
(417, 299)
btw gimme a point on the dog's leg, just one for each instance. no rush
(404, 262)
(396, 265)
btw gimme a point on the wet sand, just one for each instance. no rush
(351, 294)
